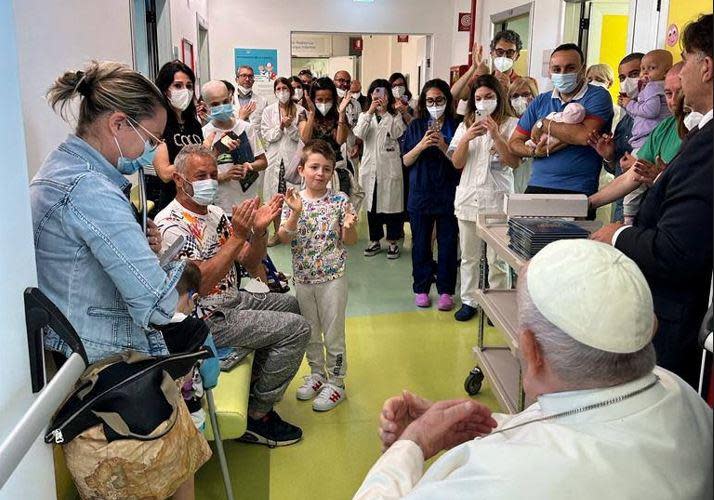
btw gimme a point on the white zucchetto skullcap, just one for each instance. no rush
(594, 293)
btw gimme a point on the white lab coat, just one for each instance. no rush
(280, 145)
(257, 116)
(381, 161)
(655, 445)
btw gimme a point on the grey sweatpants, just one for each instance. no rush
(271, 325)
(324, 305)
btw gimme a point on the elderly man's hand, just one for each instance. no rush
(605, 233)
(153, 236)
(397, 413)
(449, 423)
(243, 218)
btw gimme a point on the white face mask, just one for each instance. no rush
(298, 94)
(630, 87)
(398, 91)
(283, 96)
(520, 104)
(691, 121)
(180, 99)
(244, 91)
(436, 111)
(487, 105)
(341, 93)
(503, 64)
(324, 107)
(599, 84)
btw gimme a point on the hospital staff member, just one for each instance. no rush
(279, 128)
(380, 128)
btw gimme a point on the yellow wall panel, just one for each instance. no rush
(613, 44)
(680, 13)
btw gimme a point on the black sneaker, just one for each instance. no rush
(271, 431)
(393, 251)
(465, 313)
(373, 249)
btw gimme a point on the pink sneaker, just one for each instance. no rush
(446, 303)
(422, 300)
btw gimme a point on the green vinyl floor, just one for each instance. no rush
(391, 346)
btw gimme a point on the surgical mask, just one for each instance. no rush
(564, 82)
(503, 64)
(630, 87)
(324, 107)
(180, 99)
(599, 84)
(692, 120)
(520, 104)
(221, 113)
(436, 111)
(298, 94)
(128, 166)
(341, 93)
(244, 91)
(487, 105)
(283, 96)
(398, 91)
(204, 191)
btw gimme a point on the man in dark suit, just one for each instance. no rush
(671, 240)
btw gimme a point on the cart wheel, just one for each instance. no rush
(473, 382)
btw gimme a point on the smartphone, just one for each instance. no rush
(379, 93)
(479, 115)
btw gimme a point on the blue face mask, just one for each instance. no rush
(564, 82)
(128, 166)
(221, 113)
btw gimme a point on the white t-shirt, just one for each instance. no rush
(484, 179)
(230, 192)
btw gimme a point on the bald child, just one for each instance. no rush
(648, 108)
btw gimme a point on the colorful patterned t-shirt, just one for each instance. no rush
(318, 253)
(204, 235)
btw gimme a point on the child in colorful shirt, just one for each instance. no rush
(319, 222)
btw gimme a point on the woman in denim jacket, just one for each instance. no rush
(93, 259)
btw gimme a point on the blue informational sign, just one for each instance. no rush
(263, 61)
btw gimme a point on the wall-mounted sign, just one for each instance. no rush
(356, 45)
(402, 38)
(465, 21)
(304, 45)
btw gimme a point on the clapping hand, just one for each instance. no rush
(243, 218)
(349, 221)
(477, 60)
(265, 214)
(646, 172)
(345, 102)
(285, 121)
(603, 144)
(397, 413)
(449, 423)
(627, 161)
(293, 200)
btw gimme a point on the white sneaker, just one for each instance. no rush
(329, 397)
(310, 388)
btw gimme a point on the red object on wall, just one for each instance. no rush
(356, 45)
(465, 21)
(472, 34)
(455, 72)
(402, 38)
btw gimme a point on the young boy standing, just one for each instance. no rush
(319, 222)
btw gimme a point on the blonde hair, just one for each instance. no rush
(105, 87)
(602, 71)
(524, 82)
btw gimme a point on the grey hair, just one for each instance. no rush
(577, 365)
(182, 160)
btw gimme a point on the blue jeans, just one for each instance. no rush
(447, 239)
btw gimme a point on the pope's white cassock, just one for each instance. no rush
(656, 445)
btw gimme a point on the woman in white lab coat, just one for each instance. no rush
(280, 130)
(480, 148)
(381, 177)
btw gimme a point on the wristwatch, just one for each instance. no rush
(539, 123)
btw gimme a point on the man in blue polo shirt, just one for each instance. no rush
(575, 168)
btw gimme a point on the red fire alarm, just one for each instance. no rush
(402, 38)
(465, 21)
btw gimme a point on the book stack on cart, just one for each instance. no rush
(529, 235)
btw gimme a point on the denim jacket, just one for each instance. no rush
(93, 260)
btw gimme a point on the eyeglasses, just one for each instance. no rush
(154, 141)
(510, 53)
(438, 101)
(247, 76)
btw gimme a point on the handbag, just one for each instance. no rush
(125, 429)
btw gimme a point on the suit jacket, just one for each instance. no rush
(671, 242)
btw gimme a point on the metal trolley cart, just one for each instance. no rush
(500, 362)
